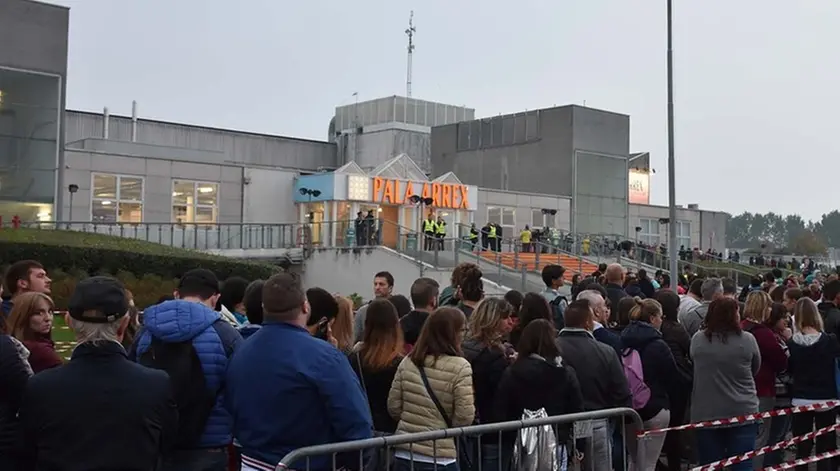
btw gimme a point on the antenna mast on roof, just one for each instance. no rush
(410, 33)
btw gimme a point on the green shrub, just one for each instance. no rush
(149, 270)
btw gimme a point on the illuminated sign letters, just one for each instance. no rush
(444, 195)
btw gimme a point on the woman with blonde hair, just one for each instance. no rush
(642, 338)
(342, 325)
(484, 349)
(31, 322)
(757, 310)
(433, 390)
(812, 364)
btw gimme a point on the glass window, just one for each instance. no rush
(684, 234)
(505, 217)
(195, 202)
(649, 234)
(116, 198)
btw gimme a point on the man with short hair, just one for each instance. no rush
(383, 287)
(313, 396)
(693, 319)
(730, 290)
(100, 410)
(424, 297)
(600, 374)
(552, 276)
(22, 277)
(188, 338)
(602, 318)
(614, 275)
(829, 307)
(692, 298)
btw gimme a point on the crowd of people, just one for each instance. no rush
(237, 374)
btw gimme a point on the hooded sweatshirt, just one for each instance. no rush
(811, 365)
(658, 365)
(533, 383)
(773, 358)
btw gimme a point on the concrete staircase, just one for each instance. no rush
(514, 261)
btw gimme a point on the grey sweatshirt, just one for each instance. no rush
(723, 376)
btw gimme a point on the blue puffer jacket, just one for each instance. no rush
(214, 341)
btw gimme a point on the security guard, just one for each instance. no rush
(491, 237)
(429, 230)
(473, 236)
(440, 232)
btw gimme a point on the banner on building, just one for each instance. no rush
(639, 187)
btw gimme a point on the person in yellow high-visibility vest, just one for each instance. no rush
(491, 237)
(440, 232)
(525, 238)
(429, 229)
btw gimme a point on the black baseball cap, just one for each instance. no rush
(98, 299)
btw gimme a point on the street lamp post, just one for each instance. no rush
(672, 194)
(638, 252)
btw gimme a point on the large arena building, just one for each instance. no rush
(567, 167)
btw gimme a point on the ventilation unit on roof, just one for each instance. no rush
(694, 206)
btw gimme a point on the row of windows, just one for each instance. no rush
(119, 198)
(500, 131)
(506, 217)
(650, 232)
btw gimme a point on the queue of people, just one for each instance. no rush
(237, 374)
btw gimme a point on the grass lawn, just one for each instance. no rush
(63, 337)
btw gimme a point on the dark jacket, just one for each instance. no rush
(831, 317)
(773, 357)
(615, 293)
(214, 341)
(247, 330)
(411, 325)
(675, 335)
(6, 307)
(42, 355)
(313, 397)
(608, 337)
(488, 366)
(100, 411)
(634, 290)
(532, 383)
(376, 385)
(14, 373)
(599, 371)
(647, 287)
(812, 366)
(658, 365)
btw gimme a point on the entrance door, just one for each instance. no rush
(389, 225)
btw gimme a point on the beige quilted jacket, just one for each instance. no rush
(410, 404)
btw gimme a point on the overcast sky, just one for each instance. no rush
(756, 91)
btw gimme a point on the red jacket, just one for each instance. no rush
(42, 355)
(773, 357)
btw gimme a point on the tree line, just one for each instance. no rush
(784, 234)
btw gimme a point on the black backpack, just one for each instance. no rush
(189, 387)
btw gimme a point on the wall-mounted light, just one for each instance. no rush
(72, 188)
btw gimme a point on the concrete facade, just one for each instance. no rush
(33, 69)
(513, 211)
(569, 151)
(695, 227)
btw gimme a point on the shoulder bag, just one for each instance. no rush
(464, 458)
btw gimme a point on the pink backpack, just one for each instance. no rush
(632, 363)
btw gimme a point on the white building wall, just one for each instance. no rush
(267, 196)
(523, 205)
(639, 214)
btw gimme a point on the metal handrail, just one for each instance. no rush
(455, 432)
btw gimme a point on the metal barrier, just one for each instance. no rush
(582, 429)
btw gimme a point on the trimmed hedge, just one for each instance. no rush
(148, 269)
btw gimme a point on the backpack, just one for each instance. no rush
(632, 363)
(558, 306)
(189, 387)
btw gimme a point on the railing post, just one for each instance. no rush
(524, 287)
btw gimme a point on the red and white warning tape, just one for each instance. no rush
(803, 461)
(778, 446)
(744, 418)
